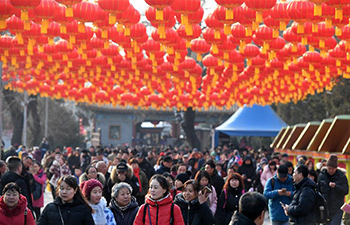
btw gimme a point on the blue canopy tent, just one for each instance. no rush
(251, 121)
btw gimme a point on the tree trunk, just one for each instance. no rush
(16, 111)
(188, 126)
(34, 124)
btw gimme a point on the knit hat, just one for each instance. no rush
(87, 186)
(183, 177)
(332, 161)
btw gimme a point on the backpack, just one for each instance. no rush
(321, 208)
(38, 189)
(171, 213)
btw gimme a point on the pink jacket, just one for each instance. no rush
(213, 200)
(266, 174)
(41, 180)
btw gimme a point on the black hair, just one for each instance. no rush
(166, 175)
(163, 182)
(11, 187)
(72, 182)
(195, 184)
(90, 166)
(13, 163)
(210, 163)
(38, 163)
(252, 204)
(202, 173)
(314, 174)
(303, 170)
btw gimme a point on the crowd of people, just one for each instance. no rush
(125, 185)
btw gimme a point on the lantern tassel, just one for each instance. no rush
(81, 28)
(24, 15)
(26, 25)
(69, 11)
(318, 10)
(112, 19)
(227, 29)
(63, 29)
(229, 14)
(159, 15)
(3, 24)
(339, 13)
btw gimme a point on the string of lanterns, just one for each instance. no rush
(255, 51)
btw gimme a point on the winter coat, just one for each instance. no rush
(301, 209)
(193, 212)
(227, 205)
(267, 174)
(73, 162)
(100, 177)
(217, 181)
(124, 215)
(346, 216)
(249, 172)
(334, 196)
(240, 219)
(75, 213)
(130, 179)
(14, 177)
(160, 212)
(162, 169)
(107, 213)
(58, 171)
(40, 177)
(276, 211)
(16, 215)
(144, 183)
(147, 168)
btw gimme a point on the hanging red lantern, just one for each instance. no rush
(193, 17)
(86, 12)
(338, 5)
(312, 58)
(323, 33)
(230, 5)
(167, 15)
(260, 6)
(265, 34)
(185, 7)
(291, 37)
(211, 38)
(6, 10)
(45, 10)
(196, 32)
(279, 12)
(113, 7)
(300, 11)
(16, 25)
(60, 17)
(159, 5)
(24, 6)
(220, 14)
(250, 51)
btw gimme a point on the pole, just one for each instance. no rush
(46, 117)
(25, 118)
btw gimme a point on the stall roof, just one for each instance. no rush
(252, 121)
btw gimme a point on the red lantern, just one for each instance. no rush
(45, 10)
(86, 12)
(24, 6)
(323, 33)
(312, 58)
(250, 51)
(300, 11)
(185, 7)
(260, 6)
(264, 34)
(279, 12)
(230, 5)
(220, 14)
(113, 7)
(6, 10)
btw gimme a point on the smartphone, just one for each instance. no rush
(283, 189)
(207, 189)
(282, 204)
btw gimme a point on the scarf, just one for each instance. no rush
(137, 174)
(99, 215)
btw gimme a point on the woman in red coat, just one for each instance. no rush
(13, 207)
(159, 208)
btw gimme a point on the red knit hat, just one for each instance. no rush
(87, 186)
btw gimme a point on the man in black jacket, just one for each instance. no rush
(145, 165)
(165, 166)
(216, 180)
(15, 167)
(252, 208)
(301, 209)
(333, 185)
